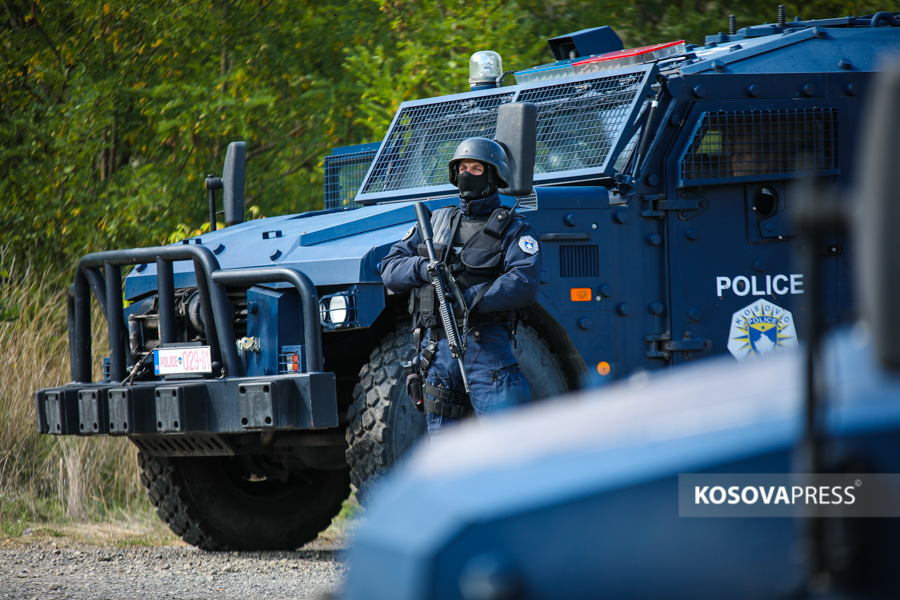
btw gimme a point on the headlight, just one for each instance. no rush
(337, 310)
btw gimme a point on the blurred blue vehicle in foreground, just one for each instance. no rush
(579, 498)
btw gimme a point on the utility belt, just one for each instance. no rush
(477, 322)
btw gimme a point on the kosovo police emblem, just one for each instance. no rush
(528, 244)
(759, 329)
(408, 234)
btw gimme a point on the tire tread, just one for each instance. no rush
(169, 492)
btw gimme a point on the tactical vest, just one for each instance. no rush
(472, 249)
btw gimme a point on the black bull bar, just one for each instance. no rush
(214, 305)
(198, 410)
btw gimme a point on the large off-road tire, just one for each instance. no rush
(539, 364)
(210, 503)
(383, 423)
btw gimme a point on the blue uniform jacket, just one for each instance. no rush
(403, 269)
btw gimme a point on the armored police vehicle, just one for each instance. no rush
(258, 368)
(776, 479)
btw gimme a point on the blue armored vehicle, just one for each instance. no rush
(776, 479)
(258, 368)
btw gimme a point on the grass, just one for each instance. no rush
(86, 489)
(13, 517)
(139, 528)
(344, 523)
(43, 478)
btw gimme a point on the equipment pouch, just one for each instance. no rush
(426, 299)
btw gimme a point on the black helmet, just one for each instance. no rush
(483, 150)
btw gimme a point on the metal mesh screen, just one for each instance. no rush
(732, 144)
(528, 202)
(579, 122)
(578, 125)
(424, 137)
(344, 174)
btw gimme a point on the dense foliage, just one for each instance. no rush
(111, 113)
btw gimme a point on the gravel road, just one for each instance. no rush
(42, 571)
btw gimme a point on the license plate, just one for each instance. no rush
(178, 361)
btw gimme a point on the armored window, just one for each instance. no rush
(422, 140)
(344, 174)
(583, 124)
(761, 145)
(579, 122)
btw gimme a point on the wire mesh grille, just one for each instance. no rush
(578, 125)
(528, 202)
(579, 261)
(762, 143)
(579, 122)
(191, 445)
(423, 138)
(344, 174)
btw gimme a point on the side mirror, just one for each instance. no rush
(878, 267)
(233, 182)
(517, 133)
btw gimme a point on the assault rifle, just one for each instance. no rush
(442, 280)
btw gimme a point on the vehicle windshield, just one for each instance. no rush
(583, 127)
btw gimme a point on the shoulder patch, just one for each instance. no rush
(408, 234)
(528, 244)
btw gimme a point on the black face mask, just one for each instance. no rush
(473, 187)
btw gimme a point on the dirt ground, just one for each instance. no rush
(144, 560)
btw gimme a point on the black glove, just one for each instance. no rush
(423, 270)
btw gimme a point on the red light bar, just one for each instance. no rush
(628, 53)
(603, 62)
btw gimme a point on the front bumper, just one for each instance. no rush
(190, 406)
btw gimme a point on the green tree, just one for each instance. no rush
(112, 114)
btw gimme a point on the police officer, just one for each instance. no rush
(493, 254)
